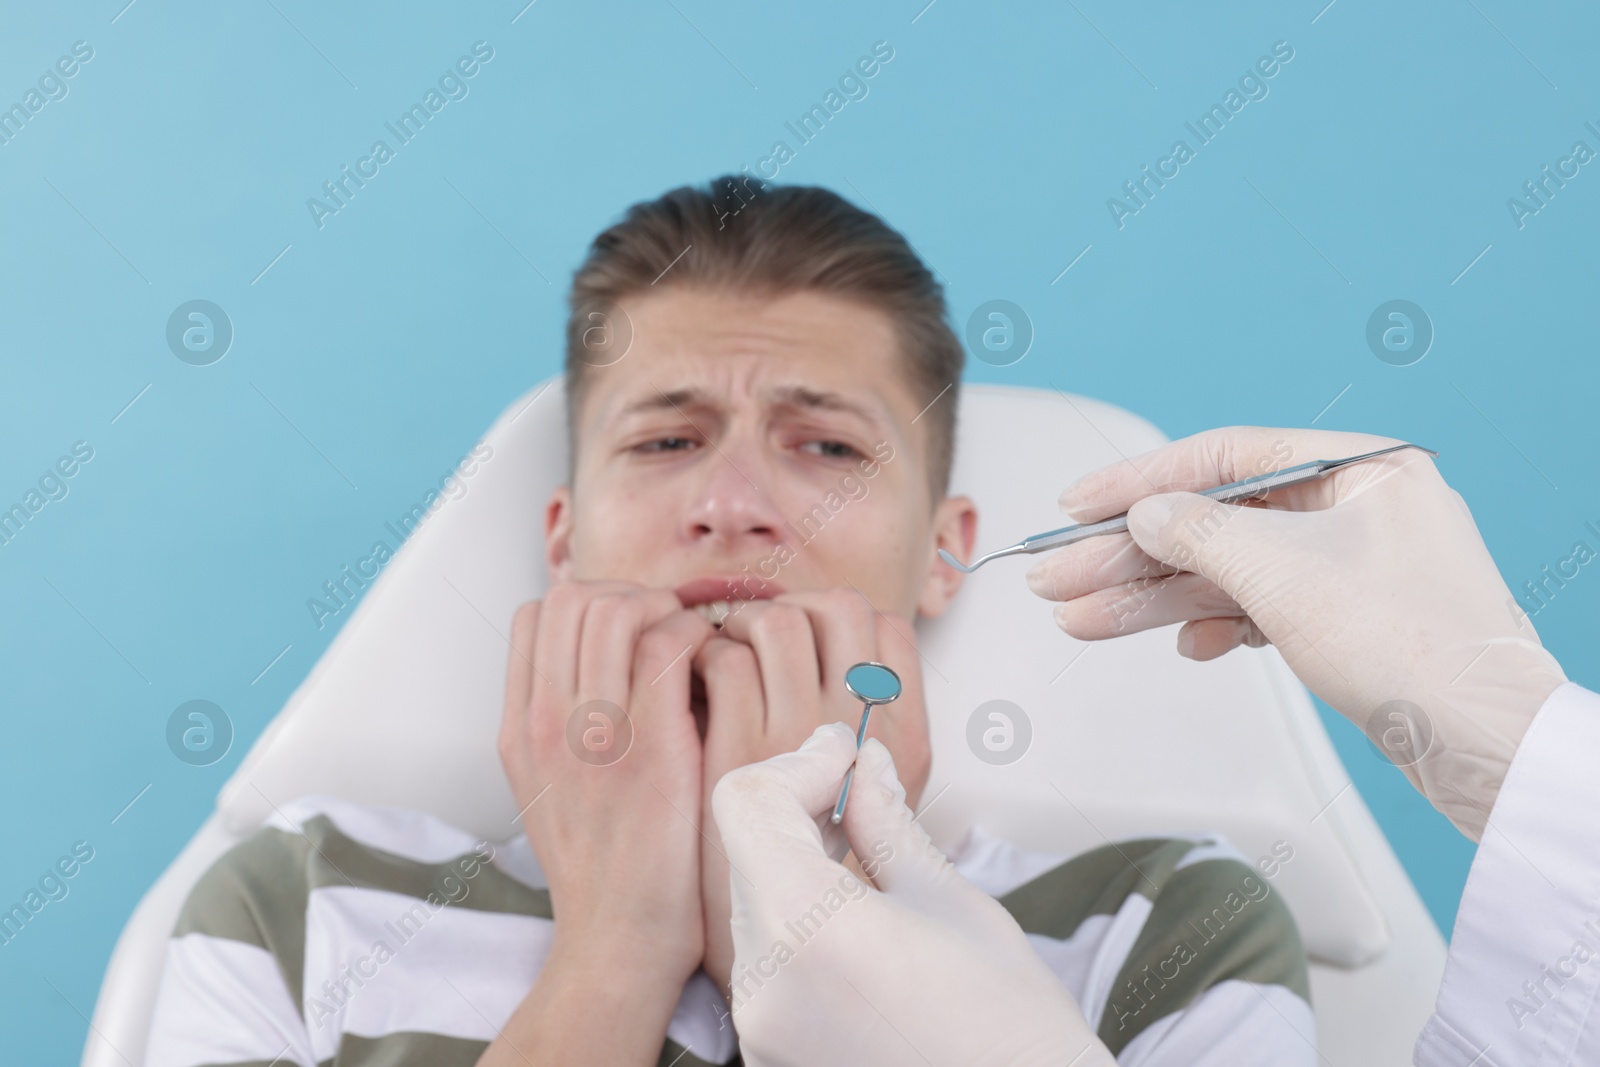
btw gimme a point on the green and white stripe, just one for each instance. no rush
(343, 934)
(1161, 923)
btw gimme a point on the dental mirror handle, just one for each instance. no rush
(844, 791)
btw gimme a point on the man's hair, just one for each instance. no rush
(740, 234)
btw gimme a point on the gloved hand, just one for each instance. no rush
(925, 969)
(1373, 583)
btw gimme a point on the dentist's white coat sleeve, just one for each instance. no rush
(1522, 982)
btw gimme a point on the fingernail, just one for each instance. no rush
(819, 736)
(1039, 578)
(1070, 499)
(1148, 516)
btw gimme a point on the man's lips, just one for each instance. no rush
(732, 587)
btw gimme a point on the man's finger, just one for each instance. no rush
(786, 649)
(519, 661)
(734, 701)
(904, 721)
(842, 619)
(519, 677)
(844, 634)
(613, 625)
(560, 629)
(661, 659)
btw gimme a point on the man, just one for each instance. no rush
(761, 401)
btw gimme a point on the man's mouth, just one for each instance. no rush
(716, 597)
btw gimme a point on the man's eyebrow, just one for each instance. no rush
(658, 401)
(803, 396)
(791, 396)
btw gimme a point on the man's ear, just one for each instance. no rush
(558, 534)
(955, 529)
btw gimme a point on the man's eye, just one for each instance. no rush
(651, 446)
(844, 451)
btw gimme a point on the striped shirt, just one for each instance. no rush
(343, 934)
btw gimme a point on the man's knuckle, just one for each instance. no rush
(564, 592)
(526, 617)
(607, 606)
(783, 621)
(656, 645)
(507, 744)
(844, 598)
(715, 651)
(661, 601)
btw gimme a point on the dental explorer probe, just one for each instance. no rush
(1260, 485)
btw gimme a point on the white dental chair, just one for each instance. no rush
(404, 706)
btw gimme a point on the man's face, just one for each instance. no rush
(750, 439)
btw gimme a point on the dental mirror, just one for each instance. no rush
(871, 683)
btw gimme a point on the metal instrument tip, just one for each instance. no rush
(956, 563)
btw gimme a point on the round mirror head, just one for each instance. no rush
(872, 682)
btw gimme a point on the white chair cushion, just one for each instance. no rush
(1129, 738)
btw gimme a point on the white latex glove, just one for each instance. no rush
(925, 969)
(1373, 583)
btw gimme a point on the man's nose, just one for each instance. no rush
(733, 501)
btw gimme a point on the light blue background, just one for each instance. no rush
(376, 349)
